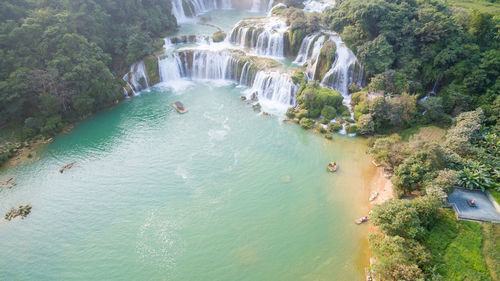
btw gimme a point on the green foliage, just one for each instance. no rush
(442, 185)
(334, 127)
(398, 218)
(388, 151)
(351, 129)
(61, 60)
(491, 248)
(475, 176)
(366, 126)
(318, 100)
(306, 123)
(329, 112)
(456, 249)
(466, 130)
(398, 258)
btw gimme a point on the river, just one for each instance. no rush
(219, 193)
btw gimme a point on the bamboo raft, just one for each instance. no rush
(179, 107)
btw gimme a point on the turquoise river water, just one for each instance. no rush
(219, 193)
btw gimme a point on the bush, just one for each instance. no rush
(306, 123)
(398, 218)
(351, 129)
(334, 127)
(321, 129)
(290, 113)
(366, 126)
(329, 112)
(302, 113)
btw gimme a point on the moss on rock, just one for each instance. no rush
(152, 70)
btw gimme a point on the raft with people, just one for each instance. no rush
(332, 167)
(361, 220)
(179, 107)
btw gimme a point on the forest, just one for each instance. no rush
(62, 60)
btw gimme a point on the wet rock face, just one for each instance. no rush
(21, 211)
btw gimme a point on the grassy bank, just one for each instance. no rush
(464, 250)
(491, 7)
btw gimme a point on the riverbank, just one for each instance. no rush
(382, 186)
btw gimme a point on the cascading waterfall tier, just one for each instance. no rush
(185, 9)
(191, 39)
(309, 53)
(136, 78)
(262, 5)
(345, 70)
(274, 90)
(264, 37)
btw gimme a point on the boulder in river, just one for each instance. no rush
(21, 211)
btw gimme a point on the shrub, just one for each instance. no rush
(398, 217)
(334, 127)
(302, 113)
(321, 129)
(306, 123)
(366, 126)
(329, 112)
(351, 129)
(466, 130)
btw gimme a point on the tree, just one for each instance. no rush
(366, 126)
(398, 218)
(460, 137)
(398, 258)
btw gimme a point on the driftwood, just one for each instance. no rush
(67, 167)
(21, 211)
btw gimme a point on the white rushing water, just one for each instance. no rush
(262, 5)
(196, 7)
(343, 71)
(275, 91)
(309, 52)
(137, 78)
(318, 6)
(264, 37)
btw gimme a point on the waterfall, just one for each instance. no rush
(209, 66)
(345, 70)
(191, 39)
(309, 52)
(137, 78)
(261, 6)
(170, 68)
(275, 91)
(265, 37)
(191, 8)
(255, 6)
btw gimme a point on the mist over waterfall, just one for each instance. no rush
(262, 5)
(136, 78)
(344, 71)
(265, 37)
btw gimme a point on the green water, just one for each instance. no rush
(220, 193)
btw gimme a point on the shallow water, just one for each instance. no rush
(220, 193)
